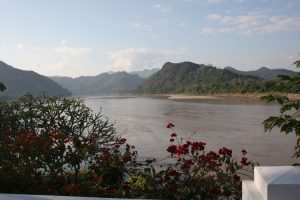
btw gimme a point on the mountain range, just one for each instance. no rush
(185, 77)
(191, 78)
(105, 83)
(146, 73)
(264, 73)
(19, 82)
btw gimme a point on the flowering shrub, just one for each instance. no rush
(199, 174)
(57, 146)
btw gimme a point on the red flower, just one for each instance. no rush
(173, 135)
(198, 146)
(172, 149)
(236, 177)
(244, 161)
(187, 165)
(111, 190)
(213, 163)
(182, 150)
(173, 173)
(224, 151)
(170, 125)
(73, 188)
(212, 155)
(244, 152)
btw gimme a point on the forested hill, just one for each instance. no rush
(191, 78)
(19, 82)
(264, 72)
(104, 83)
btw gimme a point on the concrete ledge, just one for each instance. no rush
(250, 191)
(274, 183)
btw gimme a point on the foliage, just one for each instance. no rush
(265, 73)
(58, 146)
(19, 82)
(289, 119)
(105, 83)
(47, 142)
(201, 174)
(190, 78)
(2, 87)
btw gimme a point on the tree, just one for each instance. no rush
(289, 119)
(2, 87)
(47, 141)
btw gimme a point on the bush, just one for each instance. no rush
(47, 142)
(199, 174)
(58, 146)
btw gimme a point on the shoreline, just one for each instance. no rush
(246, 96)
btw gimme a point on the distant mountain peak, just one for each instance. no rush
(264, 72)
(264, 68)
(19, 82)
(104, 83)
(192, 78)
(145, 73)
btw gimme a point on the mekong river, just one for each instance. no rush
(232, 123)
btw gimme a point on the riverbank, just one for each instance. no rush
(246, 96)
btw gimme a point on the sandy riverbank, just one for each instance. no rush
(249, 96)
(178, 97)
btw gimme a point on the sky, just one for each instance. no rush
(89, 37)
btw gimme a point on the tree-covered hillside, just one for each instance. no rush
(104, 83)
(191, 78)
(19, 82)
(265, 73)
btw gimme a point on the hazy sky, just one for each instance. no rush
(88, 37)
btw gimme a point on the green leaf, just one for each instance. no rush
(284, 77)
(297, 63)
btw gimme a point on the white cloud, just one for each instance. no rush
(214, 17)
(72, 50)
(64, 62)
(161, 8)
(252, 23)
(36, 48)
(63, 42)
(226, 19)
(205, 1)
(35, 65)
(20, 46)
(145, 27)
(240, 1)
(60, 64)
(214, 1)
(220, 1)
(282, 23)
(140, 58)
(207, 30)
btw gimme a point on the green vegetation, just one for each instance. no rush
(264, 73)
(2, 87)
(191, 78)
(104, 83)
(20, 82)
(57, 146)
(289, 119)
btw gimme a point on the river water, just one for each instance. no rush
(234, 123)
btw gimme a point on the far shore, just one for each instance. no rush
(246, 96)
